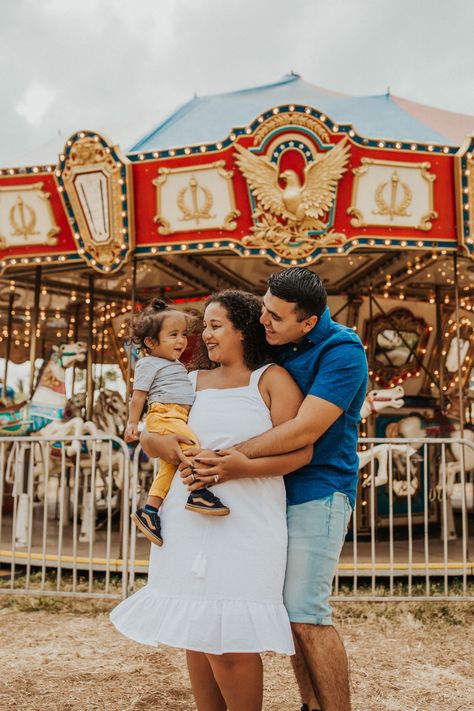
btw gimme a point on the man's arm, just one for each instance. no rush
(314, 417)
(341, 373)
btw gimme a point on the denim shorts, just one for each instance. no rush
(316, 533)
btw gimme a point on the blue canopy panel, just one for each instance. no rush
(211, 118)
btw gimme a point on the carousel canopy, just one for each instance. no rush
(386, 116)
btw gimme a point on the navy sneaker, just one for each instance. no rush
(203, 501)
(149, 524)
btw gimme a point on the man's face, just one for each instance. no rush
(281, 323)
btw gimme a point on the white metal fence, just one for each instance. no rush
(65, 526)
(64, 515)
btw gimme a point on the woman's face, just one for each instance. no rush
(222, 340)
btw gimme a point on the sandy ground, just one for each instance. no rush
(57, 655)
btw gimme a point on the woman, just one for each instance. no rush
(215, 588)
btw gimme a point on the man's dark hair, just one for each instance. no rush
(302, 287)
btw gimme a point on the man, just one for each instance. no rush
(328, 362)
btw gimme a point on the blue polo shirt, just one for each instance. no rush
(331, 364)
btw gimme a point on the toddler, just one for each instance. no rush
(161, 379)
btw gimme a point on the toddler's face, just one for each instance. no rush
(173, 338)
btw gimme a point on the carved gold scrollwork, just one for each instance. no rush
(22, 219)
(28, 217)
(395, 206)
(293, 220)
(393, 196)
(195, 199)
(293, 118)
(93, 182)
(201, 201)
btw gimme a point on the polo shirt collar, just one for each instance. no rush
(319, 332)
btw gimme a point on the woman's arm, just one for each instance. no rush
(283, 398)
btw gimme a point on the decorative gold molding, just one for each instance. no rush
(389, 339)
(293, 220)
(194, 200)
(93, 181)
(288, 118)
(23, 218)
(394, 207)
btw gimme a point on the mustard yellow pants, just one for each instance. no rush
(163, 419)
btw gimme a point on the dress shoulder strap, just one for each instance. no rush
(193, 378)
(257, 374)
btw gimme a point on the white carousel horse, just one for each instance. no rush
(377, 400)
(49, 397)
(412, 427)
(380, 453)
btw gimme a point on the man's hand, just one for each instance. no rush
(226, 464)
(166, 447)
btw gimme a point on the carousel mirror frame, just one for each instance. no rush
(399, 320)
(449, 332)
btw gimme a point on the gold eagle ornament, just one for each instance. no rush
(301, 205)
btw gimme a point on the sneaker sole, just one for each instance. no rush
(146, 532)
(208, 512)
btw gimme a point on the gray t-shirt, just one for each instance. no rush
(164, 380)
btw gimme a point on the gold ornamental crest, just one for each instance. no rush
(293, 210)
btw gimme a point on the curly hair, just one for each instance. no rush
(148, 323)
(244, 311)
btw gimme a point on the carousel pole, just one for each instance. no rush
(34, 328)
(439, 345)
(8, 344)
(75, 336)
(129, 363)
(371, 317)
(458, 342)
(90, 352)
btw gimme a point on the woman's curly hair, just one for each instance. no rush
(244, 311)
(147, 323)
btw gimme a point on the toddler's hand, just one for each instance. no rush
(131, 433)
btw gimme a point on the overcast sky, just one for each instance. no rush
(121, 65)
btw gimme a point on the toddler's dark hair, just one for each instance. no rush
(148, 322)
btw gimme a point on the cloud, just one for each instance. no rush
(35, 102)
(100, 64)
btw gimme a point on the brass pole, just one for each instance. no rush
(75, 335)
(90, 353)
(458, 341)
(34, 327)
(129, 363)
(439, 344)
(8, 344)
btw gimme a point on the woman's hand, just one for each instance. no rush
(131, 433)
(216, 467)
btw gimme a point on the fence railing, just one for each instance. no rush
(64, 515)
(65, 526)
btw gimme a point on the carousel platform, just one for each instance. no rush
(361, 558)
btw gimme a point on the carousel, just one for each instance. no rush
(375, 193)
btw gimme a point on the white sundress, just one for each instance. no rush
(216, 584)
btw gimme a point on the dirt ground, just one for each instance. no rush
(58, 655)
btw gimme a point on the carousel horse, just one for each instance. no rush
(377, 400)
(49, 397)
(413, 427)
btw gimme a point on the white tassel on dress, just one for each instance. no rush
(200, 565)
